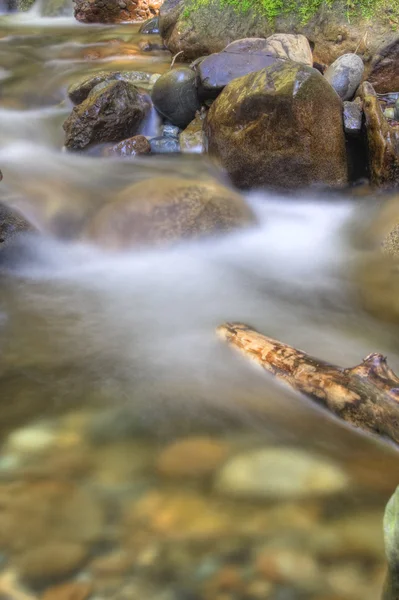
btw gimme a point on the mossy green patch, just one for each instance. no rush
(271, 9)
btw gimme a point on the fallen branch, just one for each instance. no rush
(367, 396)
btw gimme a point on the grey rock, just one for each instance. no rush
(151, 26)
(79, 90)
(170, 131)
(175, 96)
(112, 112)
(345, 75)
(11, 223)
(237, 59)
(164, 145)
(353, 116)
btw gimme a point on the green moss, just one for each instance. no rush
(305, 8)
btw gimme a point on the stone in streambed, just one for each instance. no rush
(164, 145)
(11, 223)
(281, 126)
(150, 27)
(279, 473)
(175, 96)
(192, 139)
(192, 457)
(50, 561)
(163, 210)
(345, 75)
(111, 112)
(133, 146)
(79, 90)
(248, 55)
(74, 590)
(353, 117)
(170, 131)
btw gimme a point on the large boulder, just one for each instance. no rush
(383, 72)
(200, 28)
(167, 209)
(382, 141)
(281, 127)
(248, 55)
(81, 88)
(111, 112)
(115, 11)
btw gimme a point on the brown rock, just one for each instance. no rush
(69, 591)
(192, 139)
(383, 73)
(288, 566)
(117, 563)
(192, 457)
(111, 112)
(281, 127)
(167, 209)
(39, 512)
(115, 11)
(382, 139)
(138, 144)
(50, 561)
(11, 223)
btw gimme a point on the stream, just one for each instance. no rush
(140, 457)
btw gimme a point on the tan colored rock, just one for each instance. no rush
(49, 561)
(115, 11)
(280, 127)
(192, 457)
(382, 140)
(288, 567)
(69, 591)
(290, 46)
(167, 209)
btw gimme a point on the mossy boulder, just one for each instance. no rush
(200, 27)
(280, 127)
(163, 210)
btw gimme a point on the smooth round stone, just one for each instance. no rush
(151, 26)
(345, 75)
(280, 473)
(175, 96)
(164, 145)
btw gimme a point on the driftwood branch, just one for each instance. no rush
(366, 396)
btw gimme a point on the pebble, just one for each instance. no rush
(353, 116)
(69, 591)
(164, 145)
(345, 75)
(280, 473)
(192, 457)
(50, 561)
(33, 439)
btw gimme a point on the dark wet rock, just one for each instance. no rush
(213, 25)
(151, 26)
(162, 210)
(164, 145)
(238, 59)
(170, 131)
(11, 223)
(396, 109)
(345, 75)
(382, 140)
(130, 147)
(78, 91)
(112, 112)
(281, 126)
(115, 11)
(192, 139)
(149, 46)
(353, 116)
(383, 72)
(175, 96)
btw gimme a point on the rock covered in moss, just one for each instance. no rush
(345, 75)
(168, 209)
(111, 112)
(281, 126)
(175, 96)
(115, 11)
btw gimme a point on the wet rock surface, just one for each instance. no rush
(192, 139)
(175, 96)
(79, 91)
(134, 146)
(264, 128)
(11, 223)
(164, 210)
(150, 27)
(353, 117)
(111, 112)
(115, 11)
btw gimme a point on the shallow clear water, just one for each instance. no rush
(107, 360)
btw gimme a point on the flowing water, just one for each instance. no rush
(120, 407)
